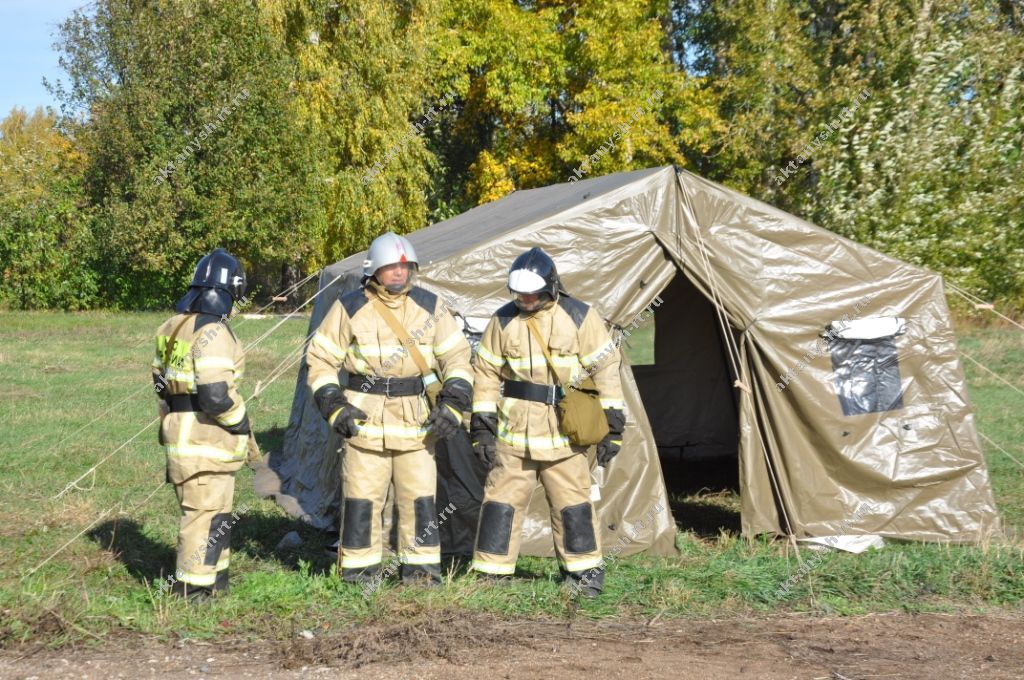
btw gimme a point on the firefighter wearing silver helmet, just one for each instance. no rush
(515, 427)
(398, 344)
(203, 421)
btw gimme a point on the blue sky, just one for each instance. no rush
(26, 55)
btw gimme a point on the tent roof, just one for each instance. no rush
(491, 221)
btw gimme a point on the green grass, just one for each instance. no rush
(639, 346)
(60, 371)
(998, 409)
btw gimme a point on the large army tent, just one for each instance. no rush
(829, 369)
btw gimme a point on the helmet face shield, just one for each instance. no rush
(237, 284)
(523, 281)
(533, 280)
(531, 302)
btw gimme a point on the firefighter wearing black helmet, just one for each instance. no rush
(515, 427)
(204, 426)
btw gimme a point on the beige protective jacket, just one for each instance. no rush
(355, 337)
(579, 346)
(202, 367)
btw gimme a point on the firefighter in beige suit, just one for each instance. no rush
(204, 426)
(515, 426)
(383, 410)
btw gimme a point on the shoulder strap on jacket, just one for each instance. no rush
(400, 332)
(543, 348)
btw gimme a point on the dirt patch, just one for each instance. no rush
(467, 646)
(440, 637)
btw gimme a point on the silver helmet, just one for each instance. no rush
(386, 249)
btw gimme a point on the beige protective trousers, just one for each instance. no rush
(507, 492)
(204, 532)
(366, 475)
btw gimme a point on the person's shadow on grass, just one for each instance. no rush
(256, 535)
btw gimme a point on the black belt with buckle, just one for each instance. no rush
(518, 389)
(184, 403)
(389, 387)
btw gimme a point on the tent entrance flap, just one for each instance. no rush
(688, 392)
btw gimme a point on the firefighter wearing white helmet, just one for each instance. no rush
(515, 427)
(401, 349)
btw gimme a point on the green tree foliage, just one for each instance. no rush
(46, 248)
(362, 80)
(546, 84)
(294, 131)
(757, 58)
(930, 170)
(897, 124)
(191, 142)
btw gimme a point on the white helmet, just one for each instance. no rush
(388, 249)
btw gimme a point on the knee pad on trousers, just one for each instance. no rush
(426, 514)
(495, 531)
(578, 528)
(358, 520)
(218, 539)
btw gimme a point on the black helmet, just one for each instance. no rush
(534, 272)
(218, 283)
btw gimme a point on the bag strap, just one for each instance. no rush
(399, 331)
(169, 347)
(543, 348)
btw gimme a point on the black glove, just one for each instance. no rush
(610, 446)
(345, 422)
(444, 420)
(329, 399)
(483, 429)
(456, 396)
(458, 393)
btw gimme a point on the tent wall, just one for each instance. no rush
(913, 471)
(809, 463)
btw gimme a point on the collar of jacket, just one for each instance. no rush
(543, 312)
(393, 300)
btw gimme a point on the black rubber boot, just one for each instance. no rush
(588, 583)
(360, 575)
(221, 586)
(191, 593)
(427, 575)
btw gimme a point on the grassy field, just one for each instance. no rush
(74, 388)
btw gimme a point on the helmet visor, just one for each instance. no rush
(524, 281)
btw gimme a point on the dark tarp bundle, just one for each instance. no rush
(767, 344)
(460, 484)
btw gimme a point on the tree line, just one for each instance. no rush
(294, 131)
